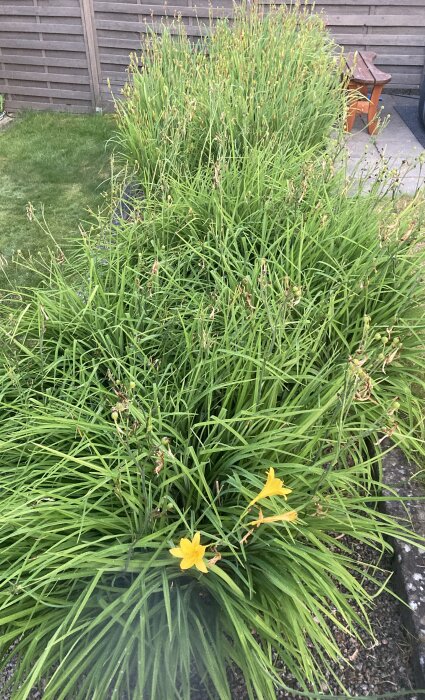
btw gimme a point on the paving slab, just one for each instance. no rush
(410, 186)
(394, 147)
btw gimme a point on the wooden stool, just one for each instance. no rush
(364, 77)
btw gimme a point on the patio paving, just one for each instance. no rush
(394, 146)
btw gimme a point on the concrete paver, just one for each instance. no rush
(394, 147)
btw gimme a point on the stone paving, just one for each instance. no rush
(395, 145)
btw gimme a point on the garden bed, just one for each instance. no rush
(188, 400)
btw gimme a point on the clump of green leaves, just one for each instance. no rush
(252, 317)
(242, 85)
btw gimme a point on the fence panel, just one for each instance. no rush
(43, 57)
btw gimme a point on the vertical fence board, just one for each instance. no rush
(92, 50)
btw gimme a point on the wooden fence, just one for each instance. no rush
(61, 54)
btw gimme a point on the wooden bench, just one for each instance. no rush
(365, 78)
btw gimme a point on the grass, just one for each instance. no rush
(155, 375)
(60, 164)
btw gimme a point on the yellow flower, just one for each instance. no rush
(191, 553)
(289, 517)
(273, 487)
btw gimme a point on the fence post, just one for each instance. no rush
(92, 50)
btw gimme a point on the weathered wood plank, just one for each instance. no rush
(161, 10)
(44, 61)
(376, 20)
(332, 20)
(42, 45)
(135, 44)
(30, 90)
(132, 27)
(23, 28)
(45, 77)
(355, 3)
(379, 39)
(17, 105)
(112, 59)
(33, 11)
(397, 60)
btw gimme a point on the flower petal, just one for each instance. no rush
(186, 545)
(284, 492)
(288, 517)
(201, 566)
(196, 539)
(270, 475)
(186, 563)
(177, 552)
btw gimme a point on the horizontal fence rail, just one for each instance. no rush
(70, 54)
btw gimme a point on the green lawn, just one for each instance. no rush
(59, 163)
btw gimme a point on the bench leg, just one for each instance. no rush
(352, 107)
(351, 117)
(355, 104)
(373, 108)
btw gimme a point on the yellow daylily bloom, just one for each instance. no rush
(191, 553)
(288, 517)
(273, 487)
